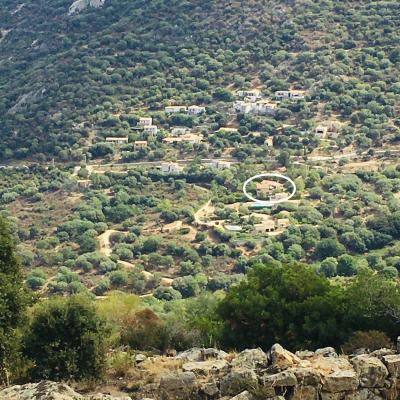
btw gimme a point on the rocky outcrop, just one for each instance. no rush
(47, 390)
(79, 5)
(211, 374)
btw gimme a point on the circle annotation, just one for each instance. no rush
(269, 203)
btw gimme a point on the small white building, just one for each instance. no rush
(321, 131)
(290, 94)
(221, 165)
(171, 168)
(150, 130)
(233, 228)
(117, 140)
(175, 109)
(196, 110)
(140, 144)
(187, 137)
(145, 121)
(264, 107)
(267, 226)
(249, 94)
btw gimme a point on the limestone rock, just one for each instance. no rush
(79, 5)
(44, 390)
(306, 376)
(326, 352)
(237, 381)
(140, 358)
(382, 352)
(198, 354)
(304, 354)
(209, 389)
(205, 367)
(340, 381)
(243, 396)
(281, 358)
(371, 371)
(250, 359)
(305, 392)
(392, 363)
(185, 381)
(281, 379)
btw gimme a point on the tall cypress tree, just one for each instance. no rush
(13, 302)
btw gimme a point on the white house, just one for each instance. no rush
(140, 144)
(171, 168)
(188, 137)
(290, 94)
(221, 165)
(145, 121)
(321, 131)
(196, 110)
(175, 109)
(150, 130)
(264, 107)
(249, 94)
(117, 140)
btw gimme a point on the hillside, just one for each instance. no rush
(62, 73)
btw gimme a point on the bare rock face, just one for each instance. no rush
(199, 354)
(79, 5)
(371, 371)
(281, 379)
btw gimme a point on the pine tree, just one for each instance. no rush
(13, 301)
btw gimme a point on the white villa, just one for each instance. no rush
(187, 137)
(150, 129)
(171, 168)
(264, 107)
(175, 109)
(290, 94)
(249, 94)
(140, 144)
(117, 140)
(196, 110)
(145, 121)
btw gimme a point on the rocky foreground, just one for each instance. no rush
(212, 374)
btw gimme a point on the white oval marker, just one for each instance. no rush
(270, 202)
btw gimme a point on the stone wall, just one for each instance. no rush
(211, 374)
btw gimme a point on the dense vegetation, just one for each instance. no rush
(98, 68)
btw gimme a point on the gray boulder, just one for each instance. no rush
(200, 354)
(181, 381)
(326, 352)
(243, 396)
(237, 381)
(44, 390)
(282, 359)
(371, 371)
(281, 379)
(206, 367)
(304, 354)
(340, 381)
(305, 392)
(392, 363)
(250, 359)
(209, 389)
(306, 376)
